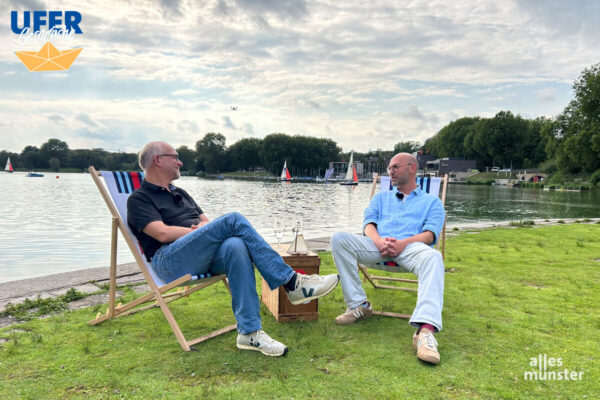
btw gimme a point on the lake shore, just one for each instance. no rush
(91, 281)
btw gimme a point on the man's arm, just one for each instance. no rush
(167, 234)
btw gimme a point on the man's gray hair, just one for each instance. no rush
(148, 152)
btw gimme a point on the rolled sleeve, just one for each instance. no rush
(372, 212)
(434, 222)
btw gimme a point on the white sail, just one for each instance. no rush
(283, 171)
(349, 172)
(8, 166)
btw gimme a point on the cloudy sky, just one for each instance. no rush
(366, 74)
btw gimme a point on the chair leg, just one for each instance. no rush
(226, 283)
(365, 272)
(391, 314)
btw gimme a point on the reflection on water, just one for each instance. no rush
(54, 225)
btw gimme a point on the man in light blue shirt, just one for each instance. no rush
(401, 226)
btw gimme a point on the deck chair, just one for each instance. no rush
(434, 186)
(119, 186)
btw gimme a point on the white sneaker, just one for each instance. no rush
(310, 287)
(355, 314)
(262, 342)
(426, 345)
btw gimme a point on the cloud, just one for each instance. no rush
(87, 120)
(184, 92)
(58, 118)
(227, 123)
(546, 95)
(413, 113)
(362, 74)
(248, 128)
(187, 126)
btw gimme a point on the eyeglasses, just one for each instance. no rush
(395, 167)
(174, 156)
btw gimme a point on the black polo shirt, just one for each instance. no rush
(151, 203)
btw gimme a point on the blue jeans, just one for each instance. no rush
(228, 245)
(427, 263)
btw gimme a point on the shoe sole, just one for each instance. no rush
(343, 322)
(434, 361)
(309, 299)
(246, 347)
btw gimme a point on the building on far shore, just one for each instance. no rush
(447, 165)
(341, 167)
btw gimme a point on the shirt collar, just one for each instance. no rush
(156, 188)
(416, 191)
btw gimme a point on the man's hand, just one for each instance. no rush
(392, 247)
(201, 223)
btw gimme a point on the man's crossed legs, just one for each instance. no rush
(230, 245)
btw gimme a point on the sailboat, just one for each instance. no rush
(351, 177)
(8, 167)
(285, 173)
(327, 176)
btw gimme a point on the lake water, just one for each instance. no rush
(50, 225)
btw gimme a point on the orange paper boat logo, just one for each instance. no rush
(49, 58)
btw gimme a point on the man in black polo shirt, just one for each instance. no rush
(178, 239)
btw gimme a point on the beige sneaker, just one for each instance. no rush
(355, 314)
(426, 346)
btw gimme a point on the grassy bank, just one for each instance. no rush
(511, 294)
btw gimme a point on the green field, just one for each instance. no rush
(511, 295)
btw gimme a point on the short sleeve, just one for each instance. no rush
(141, 211)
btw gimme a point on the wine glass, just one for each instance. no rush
(279, 228)
(297, 225)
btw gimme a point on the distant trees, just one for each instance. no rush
(210, 151)
(406, 147)
(569, 143)
(245, 154)
(188, 157)
(305, 155)
(574, 138)
(57, 149)
(503, 140)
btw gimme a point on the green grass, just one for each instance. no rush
(511, 294)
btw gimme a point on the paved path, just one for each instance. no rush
(91, 280)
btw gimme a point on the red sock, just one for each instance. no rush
(427, 326)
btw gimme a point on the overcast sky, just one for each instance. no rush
(367, 74)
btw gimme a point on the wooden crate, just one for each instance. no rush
(277, 301)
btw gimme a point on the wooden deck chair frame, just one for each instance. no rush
(375, 280)
(157, 296)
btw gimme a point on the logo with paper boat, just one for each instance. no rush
(49, 58)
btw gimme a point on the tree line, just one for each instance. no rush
(566, 144)
(307, 156)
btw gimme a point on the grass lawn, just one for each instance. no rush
(511, 294)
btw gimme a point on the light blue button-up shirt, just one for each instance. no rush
(416, 213)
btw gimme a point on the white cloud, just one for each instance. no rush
(363, 74)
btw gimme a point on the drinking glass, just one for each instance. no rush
(279, 228)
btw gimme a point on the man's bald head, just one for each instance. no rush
(403, 171)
